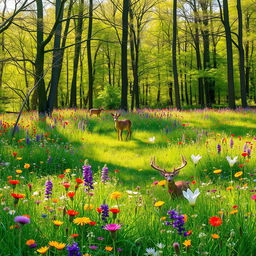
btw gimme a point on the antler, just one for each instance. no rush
(153, 165)
(183, 164)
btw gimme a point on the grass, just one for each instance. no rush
(59, 145)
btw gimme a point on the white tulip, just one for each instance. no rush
(195, 159)
(231, 161)
(190, 196)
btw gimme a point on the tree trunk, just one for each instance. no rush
(124, 65)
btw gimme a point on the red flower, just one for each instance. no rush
(72, 213)
(116, 170)
(244, 154)
(14, 182)
(235, 206)
(99, 210)
(66, 184)
(215, 221)
(14, 154)
(74, 235)
(241, 165)
(61, 176)
(71, 194)
(114, 210)
(79, 181)
(92, 223)
(193, 182)
(18, 196)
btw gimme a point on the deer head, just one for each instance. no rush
(169, 176)
(116, 116)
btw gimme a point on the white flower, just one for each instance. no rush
(195, 159)
(12, 212)
(231, 161)
(190, 196)
(152, 139)
(160, 245)
(151, 251)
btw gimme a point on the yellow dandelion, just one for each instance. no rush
(108, 248)
(162, 183)
(238, 174)
(26, 166)
(88, 207)
(217, 171)
(215, 236)
(116, 195)
(18, 171)
(82, 221)
(19, 158)
(67, 170)
(43, 250)
(57, 222)
(187, 243)
(159, 203)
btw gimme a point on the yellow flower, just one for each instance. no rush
(53, 243)
(30, 242)
(163, 218)
(19, 158)
(108, 248)
(67, 170)
(88, 207)
(60, 246)
(238, 174)
(234, 212)
(81, 221)
(185, 217)
(217, 171)
(229, 188)
(87, 254)
(215, 236)
(43, 250)
(18, 171)
(159, 203)
(162, 183)
(187, 243)
(220, 212)
(57, 222)
(116, 195)
(26, 166)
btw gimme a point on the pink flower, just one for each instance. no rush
(112, 227)
(253, 197)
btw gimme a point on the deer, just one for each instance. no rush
(174, 188)
(95, 111)
(121, 125)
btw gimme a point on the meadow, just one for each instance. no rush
(69, 187)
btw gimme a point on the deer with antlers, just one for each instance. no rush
(174, 188)
(95, 111)
(121, 125)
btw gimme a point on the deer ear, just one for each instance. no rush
(112, 114)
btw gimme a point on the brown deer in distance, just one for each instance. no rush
(121, 125)
(95, 111)
(174, 188)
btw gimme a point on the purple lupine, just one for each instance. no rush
(105, 212)
(231, 143)
(48, 189)
(104, 174)
(87, 175)
(219, 148)
(74, 250)
(177, 222)
(38, 138)
(249, 152)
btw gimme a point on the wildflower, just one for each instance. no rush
(61, 176)
(74, 235)
(57, 222)
(234, 212)
(81, 221)
(53, 243)
(116, 170)
(229, 188)
(159, 203)
(162, 183)
(244, 154)
(231, 161)
(215, 221)
(105, 212)
(196, 159)
(115, 211)
(79, 181)
(72, 213)
(151, 251)
(12, 212)
(22, 220)
(218, 148)
(187, 243)
(215, 236)
(108, 248)
(48, 189)
(177, 221)
(93, 247)
(190, 196)
(104, 174)
(217, 171)
(231, 143)
(238, 174)
(253, 197)
(71, 194)
(176, 248)
(18, 171)
(31, 243)
(116, 195)
(152, 139)
(112, 227)
(17, 197)
(19, 158)
(88, 178)
(26, 166)
(60, 246)
(14, 183)
(185, 217)
(88, 207)
(43, 250)
(73, 250)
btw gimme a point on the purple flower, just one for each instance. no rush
(104, 174)
(177, 221)
(219, 148)
(249, 152)
(245, 147)
(93, 247)
(48, 189)
(33, 245)
(22, 220)
(231, 143)
(38, 137)
(87, 175)
(112, 227)
(73, 250)
(100, 238)
(105, 212)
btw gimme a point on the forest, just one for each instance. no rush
(128, 54)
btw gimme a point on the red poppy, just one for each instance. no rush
(66, 185)
(72, 212)
(99, 210)
(215, 221)
(232, 135)
(71, 194)
(241, 165)
(193, 182)
(14, 154)
(18, 196)
(61, 176)
(244, 154)
(92, 223)
(114, 210)
(79, 181)
(235, 206)
(14, 182)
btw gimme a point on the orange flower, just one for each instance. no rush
(215, 236)
(26, 166)
(18, 196)
(108, 248)
(30, 242)
(215, 221)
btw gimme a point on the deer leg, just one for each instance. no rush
(118, 134)
(121, 134)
